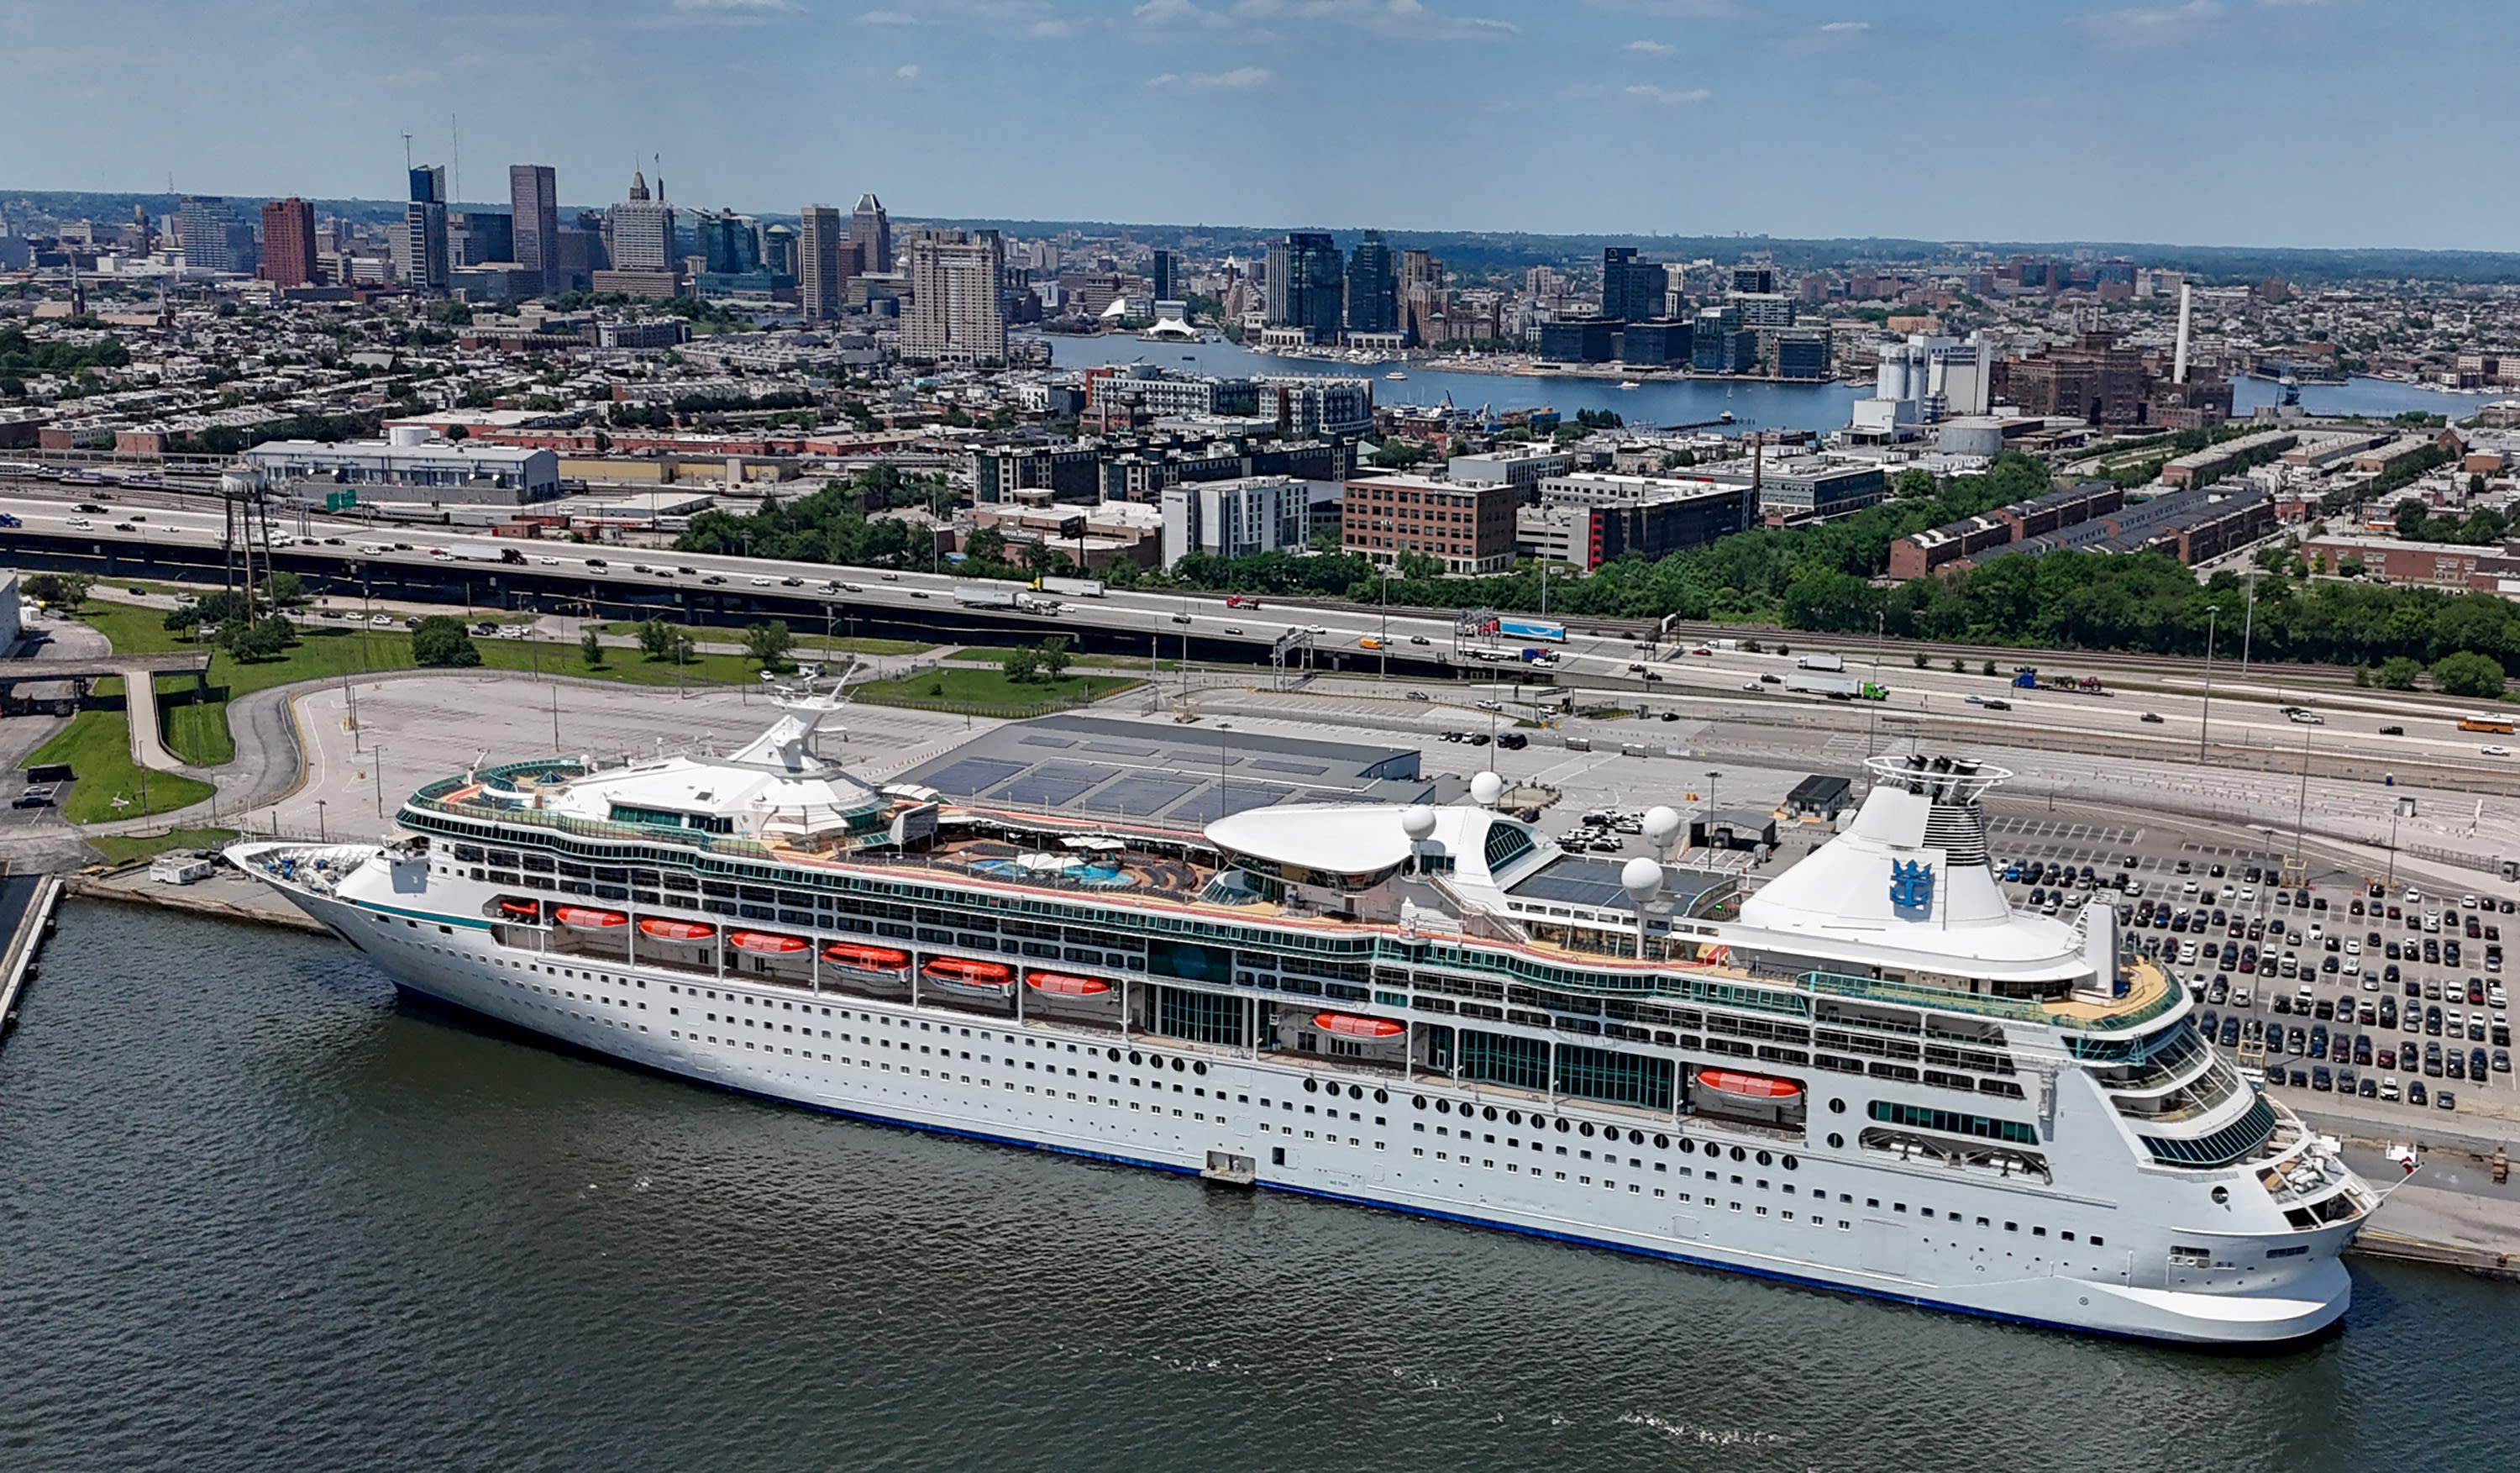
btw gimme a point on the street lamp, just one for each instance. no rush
(381, 782)
(2404, 807)
(321, 836)
(2205, 718)
(1383, 641)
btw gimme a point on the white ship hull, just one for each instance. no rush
(2006, 1249)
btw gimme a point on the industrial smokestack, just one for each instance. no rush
(2187, 304)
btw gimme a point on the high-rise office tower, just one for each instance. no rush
(1372, 287)
(289, 243)
(824, 251)
(212, 235)
(421, 259)
(643, 230)
(872, 229)
(779, 249)
(533, 201)
(1166, 275)
(1631, 290)
(958, 311)
(730, 243)
(1756, 277)
(1306, 285)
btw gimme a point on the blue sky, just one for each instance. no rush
(2300, 122)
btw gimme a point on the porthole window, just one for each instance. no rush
(1135, 1057)
(1195, 1068)
(1587, 1127)
(1383, 1097)
(1177, 1066)
(1312, 1086)
(1513, 1117)
(1688, 1147)
(1490, 1113)
(1564, 1126)
(1792, 1165)
(1738, 1153)
(1417, 1100)
(1115, 1055)
(1765, 1157)
(1635, 1138)
(1838, 1107)
(1443, 1106)
(1836, 1142)
(1662, 1143)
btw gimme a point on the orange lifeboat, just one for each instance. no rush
(1356, 1026)
(588, 918)
(766, 943)
(976, 978)
(1067, 984)
(664, 929)
(1747, 1087)
(523, 910)
(865, 958)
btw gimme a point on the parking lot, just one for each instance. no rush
(2331, 987)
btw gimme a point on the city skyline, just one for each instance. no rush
(2172, 124)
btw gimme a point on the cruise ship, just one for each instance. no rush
(1869, 1074)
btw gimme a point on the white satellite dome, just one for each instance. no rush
(1662, 826)
(1486, 788)
(1417, 821)
(1641, 878)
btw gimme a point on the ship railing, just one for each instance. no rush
(2015, 1009)
(588, 828)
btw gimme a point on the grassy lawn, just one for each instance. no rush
(196, 726)
(810, 643)
(97, 743)
(984, 692)
(120, 848)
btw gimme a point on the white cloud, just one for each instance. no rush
(2150, 25)
(1240, 79)
(1653, 48)
(887, 17)
(733, 7)
(1839, 28)
(1408, 19)
(1665, 97)
(908, 74)
(1170, 13)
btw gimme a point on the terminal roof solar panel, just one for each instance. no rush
(1202, 807)
(1037, 739)
(1037, 788)
(1121, 749)
(1571, 880)
(969, 775)
(1142, 797)
(1306, 769)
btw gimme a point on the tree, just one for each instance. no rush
(767, 644)
(986, 546)
(2396, 673)
(287, 590)
(1023, 666)
(1914, 486)
(2412, 516)
(443, 642)
(254, 641)
(589, 648)
(65, 591)
(660, 641)
(2468, 674)
(1054, 656)
(1040, 560)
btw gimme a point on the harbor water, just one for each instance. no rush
(1752, 404)
(257, 1211)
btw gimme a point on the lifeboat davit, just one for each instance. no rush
(766, 943)
(865, 958)
(1748, 1086)
(1356, 1026)
(676, 931)
(1067, 984)
(523, 910)
(588, 918)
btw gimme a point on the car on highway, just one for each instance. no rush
(917, 593)
(1991, 704)
(1181, 618)
(547, 562)
(1316, 629)
(1416, 695)
(713, 578)
(2393, 731)
(765, 582)
(80, 523)
(598, 564)
(1513, 741)
(1771, 679)
(37, 795)
(1242, 601)
(2495, 751)
(2301, 716)
(791, 582)
(2151, 719)
(1419, 639)
(1490, 705)
(1232, 628)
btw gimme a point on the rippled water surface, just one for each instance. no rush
(255, 1212)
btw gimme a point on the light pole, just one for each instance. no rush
(2205, 718)
(1383, 641)
(2404, 807)
(2248, 625)
(381, 782)
(1711, 776)
(1872, 708)
(321, 835)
